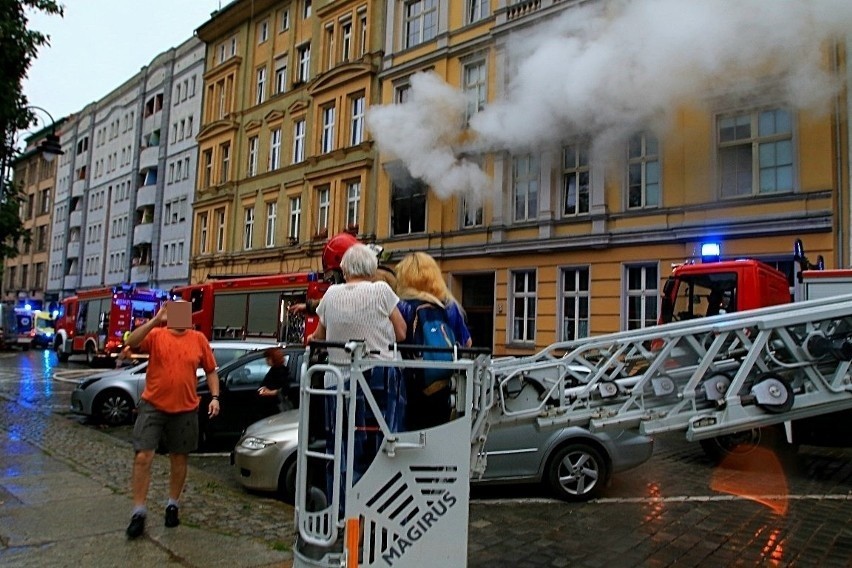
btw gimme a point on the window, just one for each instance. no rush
(421, 21)
(346, 41)
(202, 233)
(222, 52)
(261, 86)
(263, 31)
(220, 230)
(323, 201)
(304, 63)
(756, 153)
(353, 198)
(44, 202)
(306, 12)
(357, 122)
(474, 87)
(362, 26)
(641, 295)
(575, 178)
(248, 233)
(408, 207)
(284, 20)
(475, 10)
(401, 93)
(252, 157)
(280, 76)
(299, 141)
(328, 45)
(327, 129)
(171, 177)
(643, 165)
(575, 303)
(471, 212)
(208, 168)
(525, 181)
(275, 150)
(233, 46)
(295, 218)
(523, 306)
(225, 153)
(271, 215)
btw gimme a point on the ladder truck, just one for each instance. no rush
(704, 377)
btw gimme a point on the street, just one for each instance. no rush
(676, 509)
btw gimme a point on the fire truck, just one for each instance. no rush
(94, 322)
(255, 307)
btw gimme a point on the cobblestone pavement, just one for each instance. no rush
(678, 509)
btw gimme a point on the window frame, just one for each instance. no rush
(581, 300)
(648, 162)
(248, 231)
(531, 177)
(271, 218)
(644, 293)
(529, 299)
(580, 165)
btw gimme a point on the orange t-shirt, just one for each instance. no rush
(170, 380)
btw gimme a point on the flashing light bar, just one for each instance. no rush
(710, 252)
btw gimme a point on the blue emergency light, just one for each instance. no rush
(710, 252)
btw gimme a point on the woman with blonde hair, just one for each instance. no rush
(420, 284)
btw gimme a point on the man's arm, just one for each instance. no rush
(140, 333)
(213, 385)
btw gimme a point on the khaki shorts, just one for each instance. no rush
(178, 432)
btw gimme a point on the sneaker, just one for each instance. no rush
(172, 519)
(136, 526)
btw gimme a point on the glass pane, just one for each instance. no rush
(652, 195)
(767, 155)
(569, 157)
(584, 279)
(650, 146)
(783, 121)
(650, 278)
(767, 180)
(784, 178)
(766, 123)
(783, 152)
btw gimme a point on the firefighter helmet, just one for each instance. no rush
(332, 254)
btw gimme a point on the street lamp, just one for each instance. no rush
(50, 146)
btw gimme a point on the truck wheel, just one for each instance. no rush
(113, 407)
(577, 472)
(90, 355)
(738, 444)
(61, 354)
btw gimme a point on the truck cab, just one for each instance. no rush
(712, 288)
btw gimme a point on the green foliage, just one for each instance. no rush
(19, 45)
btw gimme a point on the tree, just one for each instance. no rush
(18, 47)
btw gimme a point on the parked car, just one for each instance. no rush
(110, 397)
(240, 404)
(574, 463)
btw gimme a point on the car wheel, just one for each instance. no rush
(577, 472)
(113, 407)
(287, 481)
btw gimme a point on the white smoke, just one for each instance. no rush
(611, 67)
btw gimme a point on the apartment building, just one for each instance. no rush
(34, 173)
(284, 158)
(579, 232)
(126, 180)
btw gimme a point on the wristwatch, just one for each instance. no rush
(215, 397)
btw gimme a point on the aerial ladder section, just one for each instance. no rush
(706, 377)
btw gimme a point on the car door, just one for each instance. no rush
(239, 401)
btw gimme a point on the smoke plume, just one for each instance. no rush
(607, 68)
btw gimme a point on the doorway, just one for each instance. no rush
(477, 299)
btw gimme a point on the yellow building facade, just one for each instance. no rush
(284, 158)
(574, 238)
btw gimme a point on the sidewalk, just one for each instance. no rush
(64, 501)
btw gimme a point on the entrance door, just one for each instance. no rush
(478, 302)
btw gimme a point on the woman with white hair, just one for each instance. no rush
(364, 309)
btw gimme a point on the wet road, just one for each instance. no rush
(677, 509)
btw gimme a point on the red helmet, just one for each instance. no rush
(332, 254)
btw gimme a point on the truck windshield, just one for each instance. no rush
(687, 297)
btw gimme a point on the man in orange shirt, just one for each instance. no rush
(168, 408)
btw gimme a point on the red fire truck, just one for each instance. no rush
(94, 321)
(254, 307)
(715, 287)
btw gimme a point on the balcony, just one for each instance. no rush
(72, 249)
(143, 233)
(148, 157)
(140, 274)
(146, 195)
(70, 282)
(75, 219)
(78, 188)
